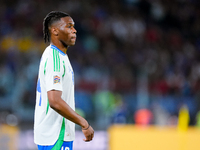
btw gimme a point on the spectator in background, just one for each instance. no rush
(159, 37)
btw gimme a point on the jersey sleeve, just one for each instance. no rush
(53, 72)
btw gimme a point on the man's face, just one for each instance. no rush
(66, 31)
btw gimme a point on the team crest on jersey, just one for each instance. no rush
(56, 79)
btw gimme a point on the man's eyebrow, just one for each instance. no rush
(70, 23)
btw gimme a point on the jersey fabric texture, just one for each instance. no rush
(63, 146)
(55, 73)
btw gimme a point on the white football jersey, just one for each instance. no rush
(55, 73)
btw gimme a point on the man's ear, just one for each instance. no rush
(54, 31)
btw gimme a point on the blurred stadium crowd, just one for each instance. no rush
(129, 55)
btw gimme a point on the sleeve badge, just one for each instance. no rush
(56, 79)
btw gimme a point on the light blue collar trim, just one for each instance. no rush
(61, 52)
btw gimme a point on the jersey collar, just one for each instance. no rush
(61, 52)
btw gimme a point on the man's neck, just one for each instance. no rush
(60, 46)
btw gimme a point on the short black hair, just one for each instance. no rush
(50, 18)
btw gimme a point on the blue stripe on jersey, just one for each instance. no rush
(39, 90)
(61, 52)
(38, 86)
(40, 100)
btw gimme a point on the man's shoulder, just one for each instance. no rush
(47, 52)
(54, 54)
(48, 49)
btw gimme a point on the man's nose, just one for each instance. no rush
(74, 30)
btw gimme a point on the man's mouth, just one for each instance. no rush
(74, 38)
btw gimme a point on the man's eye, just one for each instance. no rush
(69, 26)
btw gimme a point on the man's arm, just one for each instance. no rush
(61, 107)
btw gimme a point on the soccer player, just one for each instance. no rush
(55, 116)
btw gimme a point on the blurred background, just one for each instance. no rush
(135, 61)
